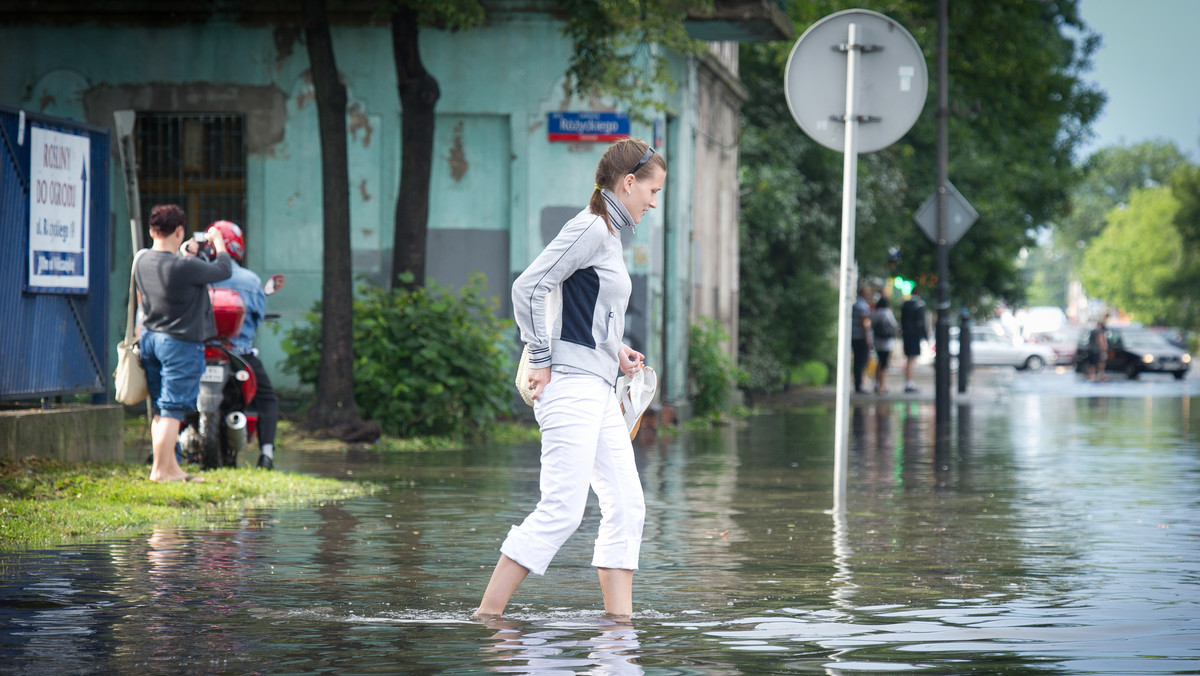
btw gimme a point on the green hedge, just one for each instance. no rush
(426, 361)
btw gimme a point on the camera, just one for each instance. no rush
(200, 236)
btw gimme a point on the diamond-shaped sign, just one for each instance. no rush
(960, 215)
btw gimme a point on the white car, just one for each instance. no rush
(991, 349)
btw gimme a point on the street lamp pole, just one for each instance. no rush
(942, 331)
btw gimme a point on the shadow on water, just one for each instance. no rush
(1057, 532)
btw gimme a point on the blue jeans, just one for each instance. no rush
(173, 370)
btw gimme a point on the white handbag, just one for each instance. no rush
(129, 378)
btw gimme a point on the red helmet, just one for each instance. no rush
(233, 241)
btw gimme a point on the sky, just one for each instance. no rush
(1148, 66)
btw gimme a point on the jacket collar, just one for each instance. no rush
(618, 215)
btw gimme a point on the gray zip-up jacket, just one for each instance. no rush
(585, 261)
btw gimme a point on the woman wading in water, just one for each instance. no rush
(573, 367)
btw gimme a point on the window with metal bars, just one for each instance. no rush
(195, 160)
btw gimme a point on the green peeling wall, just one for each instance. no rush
(500, 188)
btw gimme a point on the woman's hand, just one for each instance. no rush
(217, 239)
(631, 361)
(538, 380)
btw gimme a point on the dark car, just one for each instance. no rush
(1137, 351)
(1173, 336)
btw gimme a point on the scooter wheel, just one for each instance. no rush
(210, 440)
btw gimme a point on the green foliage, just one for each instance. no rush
(1110, 176)
(761, 371)
(788, 233)
(452, 15)
(1047, 277)
(1016, 66)
(1132, 263)
(711, 370)
(1185, 288)
(427, 362)
(1137, 207)
(611, 47)
(810, 374)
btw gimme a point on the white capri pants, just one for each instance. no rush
(584, 442)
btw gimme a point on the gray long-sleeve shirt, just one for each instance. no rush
(586, 261)
(174, 293)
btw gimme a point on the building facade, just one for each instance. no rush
(224, 124)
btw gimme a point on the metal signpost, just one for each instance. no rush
(855, 82)
(960, 216)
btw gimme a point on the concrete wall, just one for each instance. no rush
(72, 433)
(715, 276)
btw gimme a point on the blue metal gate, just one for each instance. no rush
(53, 341)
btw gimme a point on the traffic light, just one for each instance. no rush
(904, 286)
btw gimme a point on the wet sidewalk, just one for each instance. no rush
(985, 383)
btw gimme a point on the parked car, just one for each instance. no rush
(1063, 341)
(992, 349)
(1137, 351)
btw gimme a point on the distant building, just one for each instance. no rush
(1040, 319)
(225, 127)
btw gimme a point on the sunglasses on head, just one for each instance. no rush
(642, 162)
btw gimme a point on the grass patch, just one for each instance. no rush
(48, 502)
(290, 436)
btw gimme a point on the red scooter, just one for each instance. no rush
(222, 424)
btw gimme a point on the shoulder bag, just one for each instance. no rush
(130, 378)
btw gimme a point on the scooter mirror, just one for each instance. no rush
(273, 284)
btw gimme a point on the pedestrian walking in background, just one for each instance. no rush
(860, 345)
(574, 357)
(884, 329)
(1097, 357)
(913, 332)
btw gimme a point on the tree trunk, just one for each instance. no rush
(418, 94)
(335, 412)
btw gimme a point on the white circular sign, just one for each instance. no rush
(892, 80)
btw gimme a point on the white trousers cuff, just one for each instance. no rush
(528, 550)
(620, 554)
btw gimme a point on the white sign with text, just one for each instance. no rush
(58, 211)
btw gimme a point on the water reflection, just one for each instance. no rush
(553, 646)
(842, 582)
(50, 619)
(1058, 534)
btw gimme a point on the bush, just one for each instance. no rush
(711, 370)
(762, 372)
(426, 361)
(810, 374)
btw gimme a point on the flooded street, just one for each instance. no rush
(1058, 533)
